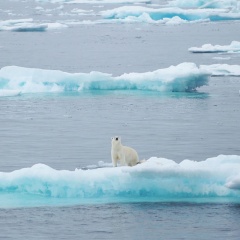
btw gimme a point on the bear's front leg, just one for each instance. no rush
(114, 161)
(122, 160)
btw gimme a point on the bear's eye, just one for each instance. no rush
(116, 138)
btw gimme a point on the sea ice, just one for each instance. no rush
(233, 5)
(157, 14)
(222, 58)
(27, 25)
(157, 178)
(180, 78)
(209, 48)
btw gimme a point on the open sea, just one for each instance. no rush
(75, 73)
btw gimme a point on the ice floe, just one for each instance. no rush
(180, 78)
(157, 179)
(27, 25)
(209, 48)
(22, 25)
(135, 11)
(222, 58)
(233, 5)
(157, 15)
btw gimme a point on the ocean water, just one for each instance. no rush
(68, 94)
(123, 221)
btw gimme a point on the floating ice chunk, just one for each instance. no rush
(82, 11)
(180, 78)
(145, 18)
(222, 58)
(27, 25)
(157, 179)
(222, 69)
(56, 25)
(209, 48)
(229, 4)
(22, 25)
(156, 14)
(27, 28)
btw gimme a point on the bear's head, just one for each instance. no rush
(116, 141)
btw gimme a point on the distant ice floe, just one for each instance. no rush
(22, 25)
(173, 12)
(95, 1)
(27, 25)
(209, 48)
(233, 5)
(134, 11)
(221, 58)
(157, 179)
(174, 3)
(163, 15)
(82, 11)
(180, 78)
(222, 69)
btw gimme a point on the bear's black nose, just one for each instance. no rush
(116, 138)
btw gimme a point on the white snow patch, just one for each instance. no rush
(209, 48)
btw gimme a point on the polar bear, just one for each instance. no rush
(125, 155)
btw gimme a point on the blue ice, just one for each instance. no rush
(157, 179)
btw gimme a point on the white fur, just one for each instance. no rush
(125, 155)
